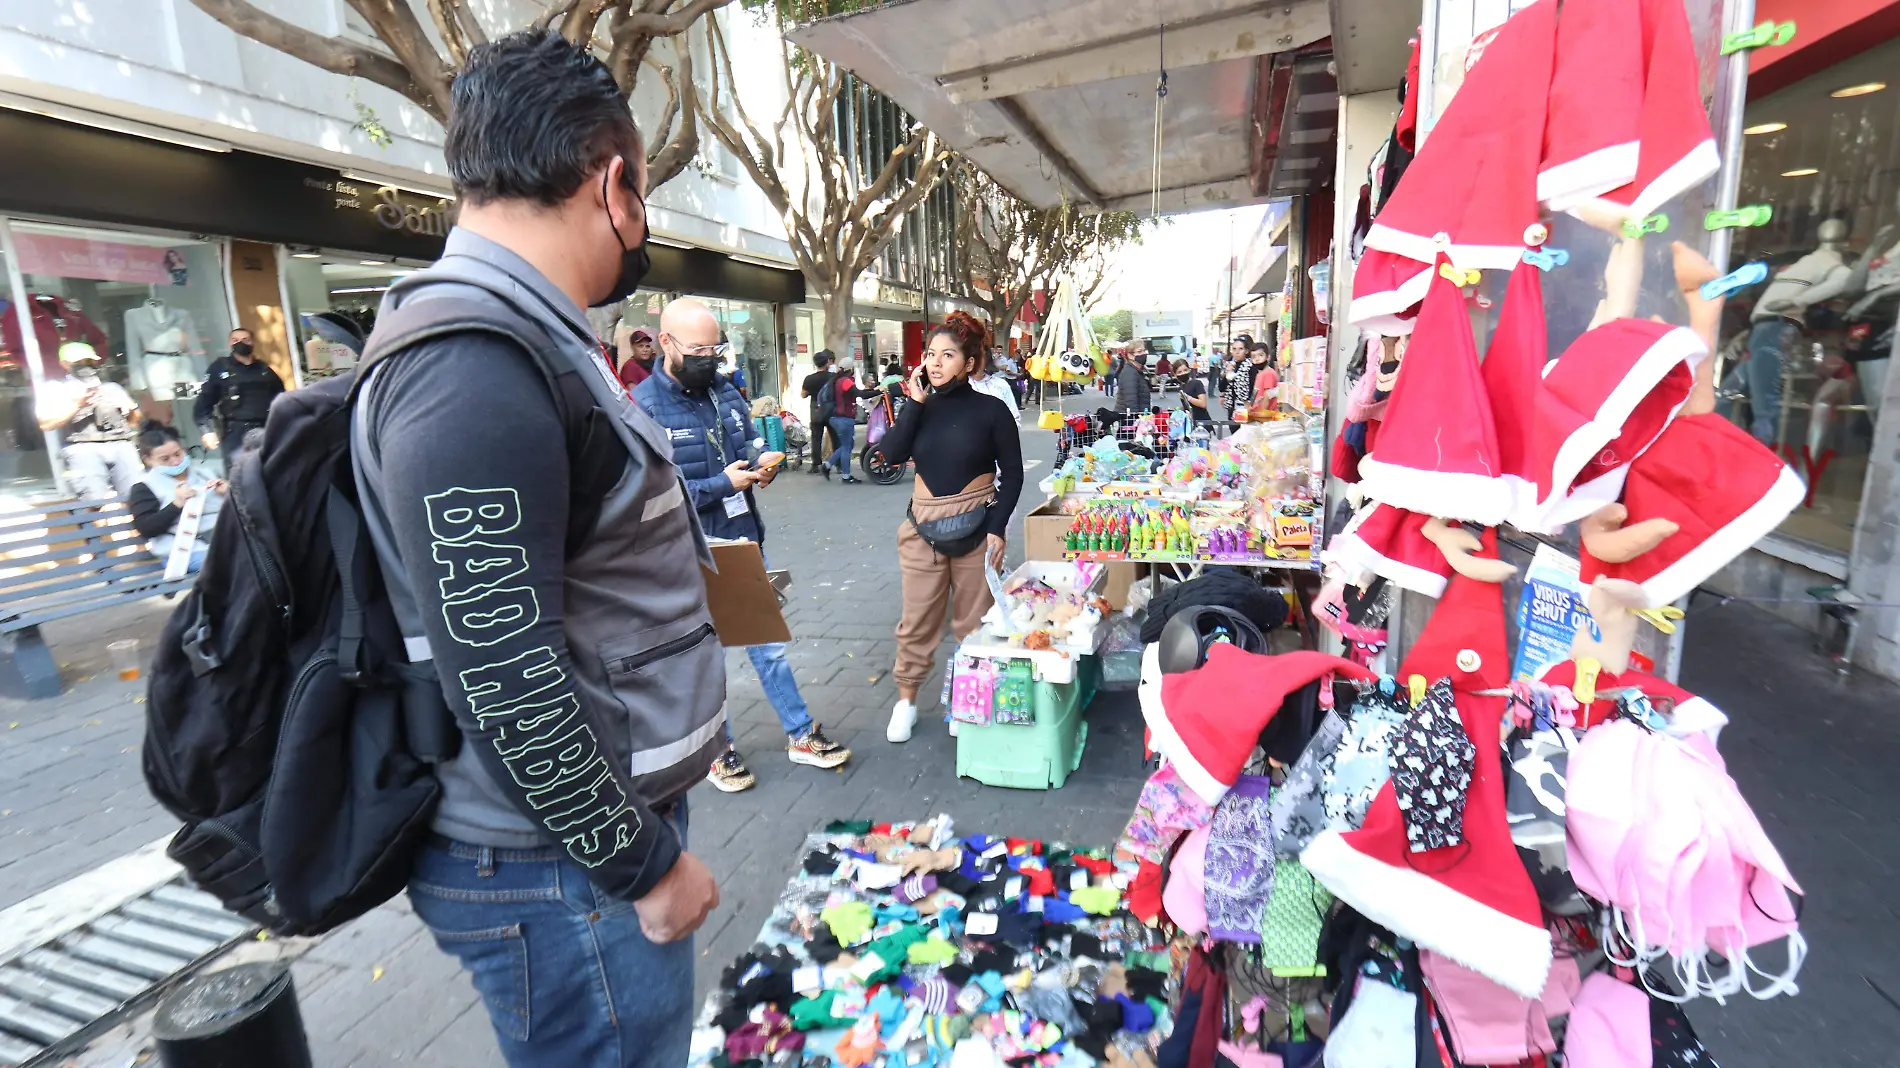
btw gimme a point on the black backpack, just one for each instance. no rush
(284, 726)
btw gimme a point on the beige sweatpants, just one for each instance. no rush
(930, 584)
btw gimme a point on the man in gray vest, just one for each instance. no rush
(552, 580)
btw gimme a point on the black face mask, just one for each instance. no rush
(696, 372)
(241, 348)
(634, 263)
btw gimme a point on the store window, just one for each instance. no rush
(147, 311)
(750, 329)
(1805, 356)
(351, 285)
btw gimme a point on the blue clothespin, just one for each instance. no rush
(1388, 685)
(1740, 278)
(1547, 258)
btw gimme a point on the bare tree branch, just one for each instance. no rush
(396, 25)
(669, 24)
(334, 54)
(683, 145)
(448, 25)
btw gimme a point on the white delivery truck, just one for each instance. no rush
(1165, 333)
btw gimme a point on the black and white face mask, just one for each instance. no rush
(1432, 760)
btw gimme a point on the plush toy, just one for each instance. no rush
(1082, 628)
(1077, 365)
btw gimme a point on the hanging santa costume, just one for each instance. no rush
(1472, 190)
(1599, 407)
(1513, 373)
(1472, 902)
(1723, 489)
(1390, 542)
(1437, 452)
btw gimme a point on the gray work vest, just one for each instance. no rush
(639, 634)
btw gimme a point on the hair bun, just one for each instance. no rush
(968, 329)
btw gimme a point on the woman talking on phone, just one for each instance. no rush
(960, 439)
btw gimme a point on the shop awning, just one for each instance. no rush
(1056, 98)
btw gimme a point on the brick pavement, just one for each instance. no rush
(1811, 750)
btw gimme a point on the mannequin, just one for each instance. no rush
(1875, 278)
(164, 354)
(1776, 322)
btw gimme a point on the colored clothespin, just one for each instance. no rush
(1654, 224)
(1663, 619)
(1388, 685)
(1739, 278)
(1585, 688)
(1546, 258)
(1768, 34)
(1747, 215)
(1460, 276)
(1416, 684)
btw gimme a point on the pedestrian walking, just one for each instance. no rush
(236, 396)
(157, 501)
(717, 452)
(845, 395)
(960, 439)
(1129, 381)
(817, 387)
(556, 595)
(985, 379)
(97, 420)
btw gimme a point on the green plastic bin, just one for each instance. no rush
(1039, 756)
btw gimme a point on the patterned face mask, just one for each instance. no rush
(1431, 771)
(1362, 762)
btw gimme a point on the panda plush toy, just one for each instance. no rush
(1077, 366)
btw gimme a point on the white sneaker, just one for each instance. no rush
(903, 718)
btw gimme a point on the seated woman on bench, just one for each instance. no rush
(158, 500)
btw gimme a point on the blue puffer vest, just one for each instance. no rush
(697, 426)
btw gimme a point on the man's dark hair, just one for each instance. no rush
(823, 359)
(531, 117)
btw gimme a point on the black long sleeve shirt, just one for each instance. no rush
(237, 392)
(955, 436)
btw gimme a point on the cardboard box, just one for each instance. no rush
(1043, 532)
(743, 601)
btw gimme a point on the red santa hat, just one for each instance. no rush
(1209, 720)
(1513, 371)
(1687, 713)
(1724, 489)
(1473, 902)
(1600, 405)
(1386, 289)
(1593, 127)
(1437, 451)
(1677, 147)
(1472, 190)
(1390, 542)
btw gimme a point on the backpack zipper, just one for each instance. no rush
(297, 687)
(661, 651)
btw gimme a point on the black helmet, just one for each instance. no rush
(1190, 632)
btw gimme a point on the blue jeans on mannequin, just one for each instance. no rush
(1769, 341)
(845, 430)
(564, 971)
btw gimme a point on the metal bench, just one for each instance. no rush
(62, 560)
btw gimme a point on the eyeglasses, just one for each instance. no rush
(716, 349)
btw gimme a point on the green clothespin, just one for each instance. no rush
(1655, 224)
(1768, 34)
(1747, 215)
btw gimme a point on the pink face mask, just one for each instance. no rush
(1185, 895)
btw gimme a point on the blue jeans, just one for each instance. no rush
(567, 977)
(775, 675)
(1768, 343)
(845, 430)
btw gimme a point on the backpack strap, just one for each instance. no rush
(346, 541)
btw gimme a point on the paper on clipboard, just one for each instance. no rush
(185, 538)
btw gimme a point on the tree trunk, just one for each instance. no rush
(1003, 324)
(838, 331)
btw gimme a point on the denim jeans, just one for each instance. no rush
(1760, 378)
(845, 431)
(781, 689)
(567, 976)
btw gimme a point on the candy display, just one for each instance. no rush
(902, 944)
(1223, 531)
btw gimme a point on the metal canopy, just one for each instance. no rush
(1056, 98)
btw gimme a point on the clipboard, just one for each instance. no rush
(743, 598)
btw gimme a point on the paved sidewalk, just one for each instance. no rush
(1812, 751)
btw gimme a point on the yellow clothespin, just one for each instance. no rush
(1585, 688)
(1416, 684)
(1460, 276)
(1663, 619)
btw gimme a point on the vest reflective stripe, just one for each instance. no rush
(648, 761)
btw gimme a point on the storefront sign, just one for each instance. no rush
(106, 261)
(900, 296)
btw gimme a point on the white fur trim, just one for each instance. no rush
(1479, 498)
(1379, 312)
(1697, 716)
(1674, 582)
(1680, 177)
(1352, 551)
(1566, 184)
(1425, 249)
(1164, 738)
(1414, 905)
(1677, 346)
(1581, 501)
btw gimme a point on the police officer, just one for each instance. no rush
(237, 393)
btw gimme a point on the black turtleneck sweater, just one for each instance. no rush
(955, 436)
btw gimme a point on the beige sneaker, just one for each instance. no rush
(815, 750)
